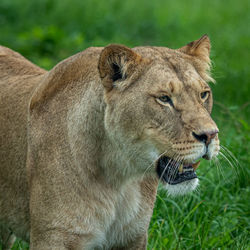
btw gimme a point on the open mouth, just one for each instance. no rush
(174, 172)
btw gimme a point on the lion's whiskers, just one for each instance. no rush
(219, 167)
(166, 167)
(163, 172)
(234, 162)
(175, 167)
(153, 163)
(229, 158)
(231, 164)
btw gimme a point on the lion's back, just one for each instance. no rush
(18, 79)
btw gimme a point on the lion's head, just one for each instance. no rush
(158, 107)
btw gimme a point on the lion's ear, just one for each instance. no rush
(116, 62)
(199, 48)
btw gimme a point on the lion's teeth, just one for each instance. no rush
(196, 165)
(181, 168)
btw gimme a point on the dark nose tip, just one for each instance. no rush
(205, 137)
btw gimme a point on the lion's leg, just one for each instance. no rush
(54, 239)
(140, 243)
(46, 241)
(6, 237)
(11, 241)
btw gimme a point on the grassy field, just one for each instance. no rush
(217, 215)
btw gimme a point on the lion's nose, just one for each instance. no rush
(205, 137)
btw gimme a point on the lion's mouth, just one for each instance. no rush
(174, 172)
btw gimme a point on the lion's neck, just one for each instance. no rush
(122, 163)
(94, 154)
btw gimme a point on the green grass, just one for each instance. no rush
(217, 215)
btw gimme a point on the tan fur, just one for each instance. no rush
(78, 148)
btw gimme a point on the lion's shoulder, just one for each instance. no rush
(79, 68)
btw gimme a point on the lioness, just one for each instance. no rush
(83, 146)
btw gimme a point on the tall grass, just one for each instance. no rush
(47, 31)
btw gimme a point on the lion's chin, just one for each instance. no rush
(179, 179)
(182, 188)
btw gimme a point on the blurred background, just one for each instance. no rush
(47, 31)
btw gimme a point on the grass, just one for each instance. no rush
(217, 215)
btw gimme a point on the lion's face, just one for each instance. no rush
(160, 107)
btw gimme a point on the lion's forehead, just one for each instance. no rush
(165, 75)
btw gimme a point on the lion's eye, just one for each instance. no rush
(204, 95)
(165, 99)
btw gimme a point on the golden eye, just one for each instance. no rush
(204, 95)
(165, 100)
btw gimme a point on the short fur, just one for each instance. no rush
(79, 144)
